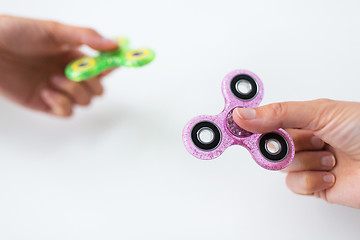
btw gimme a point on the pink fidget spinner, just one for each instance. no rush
(207, 137)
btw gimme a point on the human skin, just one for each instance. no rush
(33, 55)
(326, 134)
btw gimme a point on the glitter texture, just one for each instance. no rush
(231, 134)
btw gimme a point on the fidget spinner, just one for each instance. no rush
(88, 67)
(207, 137)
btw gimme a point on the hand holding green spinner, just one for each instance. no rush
(88, 67)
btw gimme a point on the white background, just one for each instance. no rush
(118, 169)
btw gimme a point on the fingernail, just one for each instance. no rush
(329, 178)
(328, 161)
(246, 113)
(317, 142)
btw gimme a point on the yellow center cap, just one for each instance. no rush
(137, 54)
(83, 64)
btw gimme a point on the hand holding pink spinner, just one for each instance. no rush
(207, 137)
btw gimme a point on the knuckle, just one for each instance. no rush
(70, 87)
(86, 101)
(53, 25)
(75, 90)
(83, 99)
(66, 114)
(52, 28)
(66, 109)
(69, 113)
(278, 108)
(63, 112)
(324, 100)
(98, 90)
(325, 103)
(325, 107)
(96, 87)
(64, 103)
(91, 31)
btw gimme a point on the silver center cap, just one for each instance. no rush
(243, 87)
(273, 146)
(205, 135)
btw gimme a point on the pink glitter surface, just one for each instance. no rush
(231, 134)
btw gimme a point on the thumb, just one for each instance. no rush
(312, 115)
(335, 122)
(74, 36)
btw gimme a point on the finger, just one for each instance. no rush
(71, 35)
(315, 161)
(312, 115)
(107, 72)
(59, 104)
(77, 91)
(73, 55)
(305, 140)
(94, 86)
(308, 182)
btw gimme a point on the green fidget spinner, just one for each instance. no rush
(88, 67)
